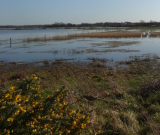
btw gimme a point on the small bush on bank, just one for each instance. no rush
(23, 110)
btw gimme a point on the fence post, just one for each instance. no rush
(10, 42)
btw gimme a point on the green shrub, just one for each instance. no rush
(23, 110)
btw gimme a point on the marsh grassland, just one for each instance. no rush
(120, 100)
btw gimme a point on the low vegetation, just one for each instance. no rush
(119, 101)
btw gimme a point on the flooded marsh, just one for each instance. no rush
(75, 45)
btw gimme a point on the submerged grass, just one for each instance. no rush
(45, 39)
(83, 51)
(121, 101)
(114, 44)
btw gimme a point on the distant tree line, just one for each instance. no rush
(69, 25)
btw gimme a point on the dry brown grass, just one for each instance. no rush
(154, 34)
(61, 38)
(94, 35)
(108, 35)
(115, 35)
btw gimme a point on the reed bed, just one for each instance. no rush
(108, 35)
(94, 35)
(62, 38)
(154, 34)
(115, 35)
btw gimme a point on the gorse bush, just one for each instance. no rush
(24, 110)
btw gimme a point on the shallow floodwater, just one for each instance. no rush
(24, 34)
(80, 49)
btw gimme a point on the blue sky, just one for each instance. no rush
(26, 12)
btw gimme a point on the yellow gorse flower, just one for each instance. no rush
(34, 130)
(74, 123)
(8, 96)
(82, 125)
(3, 107)
(18, 98)
(12, 88)
(1, 100)
(35, 78)
(27, 99)
(10, 119)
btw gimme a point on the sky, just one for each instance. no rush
(34, 12)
